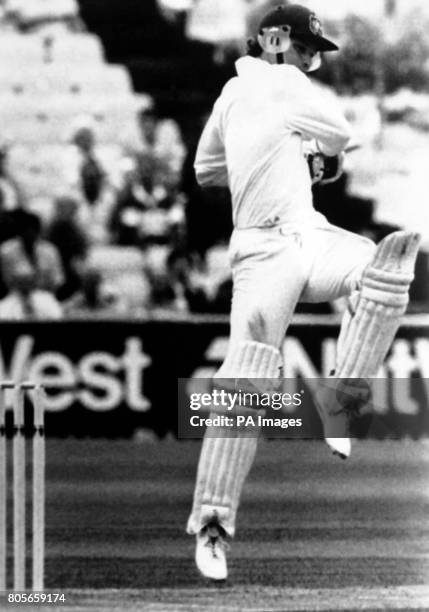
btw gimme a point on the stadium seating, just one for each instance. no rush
(63, 79)
(27, 120)
(41, 167)
(115, 260)
(42, 9)
(32, 50)
(49, 82)
(83, 49)
(37, 167)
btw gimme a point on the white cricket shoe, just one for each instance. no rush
(210, 552)
(342, 447)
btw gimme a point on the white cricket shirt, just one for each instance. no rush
(253, 143)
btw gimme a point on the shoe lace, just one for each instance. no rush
(216, 537)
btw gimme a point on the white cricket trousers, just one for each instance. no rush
(275, 268)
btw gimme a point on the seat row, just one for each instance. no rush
(17, 50)
(76, 80)
(51, 119)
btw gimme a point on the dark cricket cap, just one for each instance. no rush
(304, 25)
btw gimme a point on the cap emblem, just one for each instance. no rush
(315, 25)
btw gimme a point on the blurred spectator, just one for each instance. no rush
(147, 210)
(28, 250)
(187, 285)
(86, 174)
(94, 297)
(81, 151)
(68, 235)
(10, 195)
(161, 140)
(163, 270)
(25, 301)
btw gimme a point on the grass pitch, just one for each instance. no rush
(314, 533)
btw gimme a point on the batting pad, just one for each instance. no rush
(227, 454)
(250, 360)
(368, 332)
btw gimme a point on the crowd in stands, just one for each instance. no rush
(107, 223)
(128, 237)
(118, 240)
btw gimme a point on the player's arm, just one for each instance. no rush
(210, 163)
(313, 115)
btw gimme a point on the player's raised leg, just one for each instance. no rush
(369, 327)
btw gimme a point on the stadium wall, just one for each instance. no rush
(118, 378)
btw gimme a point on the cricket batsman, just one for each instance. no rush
(282, 251)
